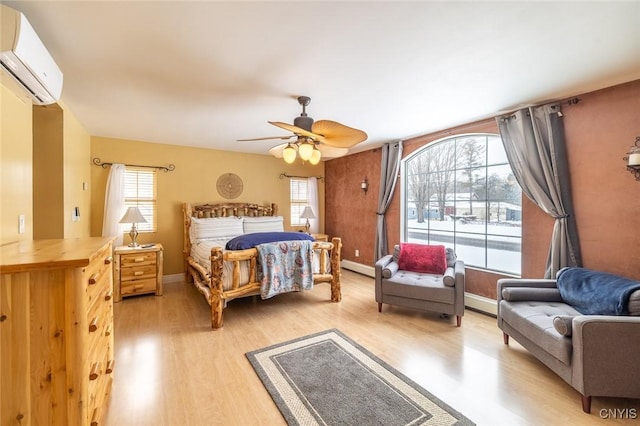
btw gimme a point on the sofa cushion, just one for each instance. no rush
(430, 259)
(419, 286)
(563, 324)
(540, 294)
(535, 321)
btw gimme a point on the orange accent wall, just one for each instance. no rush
(599, 131)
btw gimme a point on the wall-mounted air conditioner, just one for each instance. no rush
(25, 60)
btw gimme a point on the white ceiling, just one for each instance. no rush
(207, 73)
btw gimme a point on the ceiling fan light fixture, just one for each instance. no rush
(305, 149)
(289, 154)
(315, 156)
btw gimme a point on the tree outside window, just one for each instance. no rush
(460, 192)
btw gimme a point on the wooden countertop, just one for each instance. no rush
(29, 255)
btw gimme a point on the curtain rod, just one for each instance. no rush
(284, 175)
(169, 168)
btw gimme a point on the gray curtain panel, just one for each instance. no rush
(534, 141)
(390, 167)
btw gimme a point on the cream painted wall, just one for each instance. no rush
(77, 176)
(15, 172)
(194, 180)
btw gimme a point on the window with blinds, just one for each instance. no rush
(299, 199)
(140, 191)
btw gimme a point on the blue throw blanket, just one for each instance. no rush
(247, 241)
(285, 266)
(595, 293)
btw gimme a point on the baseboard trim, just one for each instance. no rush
(173, 278)
(369, 271)
(481, 304)
(472, 301)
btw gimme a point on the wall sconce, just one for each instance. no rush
(633, 159)
(364, 185)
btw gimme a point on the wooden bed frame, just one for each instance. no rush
(211, 286)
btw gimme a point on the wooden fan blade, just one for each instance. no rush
(332, 151)
(298, 130)
(284, 138)
(338, 135)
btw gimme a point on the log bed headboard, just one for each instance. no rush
(230, 209)
(205, 210)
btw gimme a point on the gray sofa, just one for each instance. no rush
(422, 291)
(596, 354)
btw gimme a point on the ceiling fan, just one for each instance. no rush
(314, 139)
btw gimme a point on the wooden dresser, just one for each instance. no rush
(56, 331)
(137, 270)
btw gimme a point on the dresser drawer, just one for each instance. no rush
(136, 259)
(138, 287)
(139, 272)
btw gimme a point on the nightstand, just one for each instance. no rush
(137, 270)
(320, 237)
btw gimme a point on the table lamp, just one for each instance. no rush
(133, 216)
(307, 213)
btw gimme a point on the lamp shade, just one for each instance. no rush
(305, 150)
(133, 215)
(289, 154)
(307, 213)
(315, 156)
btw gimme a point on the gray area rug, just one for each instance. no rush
(328, 379)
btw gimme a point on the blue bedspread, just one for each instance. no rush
(247, 241)
(284, 267)
(595, 293)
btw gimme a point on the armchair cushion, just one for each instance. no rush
(390, 269)
(449, 278)
(429, 259)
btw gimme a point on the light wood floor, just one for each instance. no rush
(172, 369)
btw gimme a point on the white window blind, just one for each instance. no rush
(140, 190)
(299, 199)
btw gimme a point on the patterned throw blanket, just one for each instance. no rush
(285, 266)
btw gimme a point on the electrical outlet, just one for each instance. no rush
(21, 225)
(357, 253)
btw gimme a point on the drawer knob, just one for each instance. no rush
(139, 259)
(95, 371)
(138, 273)
(95, 417)
(93, 325)
(93, 279)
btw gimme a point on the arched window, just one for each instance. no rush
(460, 192)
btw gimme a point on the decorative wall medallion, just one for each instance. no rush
(229, 185)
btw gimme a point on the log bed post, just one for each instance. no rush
(216, 300)
(336, 293)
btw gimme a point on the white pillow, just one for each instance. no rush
(215, 228)
(263, 224)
